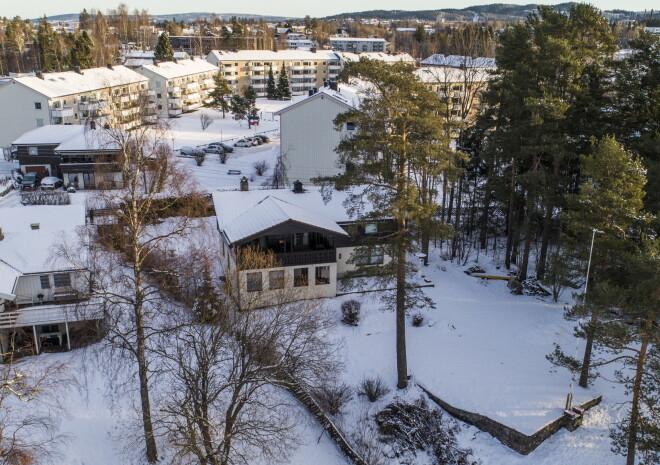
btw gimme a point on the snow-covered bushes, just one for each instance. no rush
(199, 158)
(6, 185)
(45, 198)
(417, 427)
(373, 388)
(350, 311)
(333, 397)
(417, 320)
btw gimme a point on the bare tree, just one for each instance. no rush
(205, 120)
(261, 167)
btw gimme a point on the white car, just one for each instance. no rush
(243, 143)
(190, 151)
(51, 182)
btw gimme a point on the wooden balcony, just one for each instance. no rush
(308, 257)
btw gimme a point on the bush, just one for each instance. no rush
(224, 156)
(6, 186)
(409, 428)
(45, 198)
(333, 398)
(417, 320)
(373, 388)
(350, 311)
(261, 167)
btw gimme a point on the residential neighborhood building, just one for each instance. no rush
(459, 61)
(358, 44)
(136, 59)
(107, 95)
(347, 57)
(39, 290)
(307, 133)
(313, 238)
(83, 156)
(307, 69)
(179, 86)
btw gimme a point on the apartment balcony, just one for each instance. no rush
(260, 68)
(194, 96)
(229, 69)
(150, 93)
(174, 100)
(63, 112)
(149, 119)
(150, 105)
(192, 106)
(190, 86)
(93, 105)
(307, 257)
(208, 83)
(258, 85)
(309, 68)
(174, 89)
(296, 68)
(334, 67)
(174, 111)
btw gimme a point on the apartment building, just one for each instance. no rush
(136, 59)
(358, 44)
(106, 95)
(179, 86)
(307, 69)
(347, 57)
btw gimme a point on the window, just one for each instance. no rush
(276, 279)
(45, 282)
(62, 280)
(37, 105)
(301, 239)
(33, 150)
(373, 256)
(322, 275)
(254, 282)
(159, 95)
(300, 277)
(350, 126)
(40, 122)
(371, 228)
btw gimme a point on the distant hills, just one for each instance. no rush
(187, 17)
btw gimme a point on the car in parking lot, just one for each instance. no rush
(190, 151)
(255, 140)
(263, 138)
(228, 148)
(214, 148)
(30, 181)
(243, 143)
(51, 182)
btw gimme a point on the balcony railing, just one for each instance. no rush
(309, 257)
(62, 112)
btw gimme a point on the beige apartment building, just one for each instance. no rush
(179, 86)
(307, 69)
(109, 95)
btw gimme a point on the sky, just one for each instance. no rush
(293, 8)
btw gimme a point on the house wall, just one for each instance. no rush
(308, 139)
(18, 114)
(28, 287)
(344, 254)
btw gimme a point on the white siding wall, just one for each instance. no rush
(17, 112)
(308, 138)
(29, 286)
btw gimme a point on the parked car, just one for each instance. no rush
(30, 181)
(190, 151)
(243, 143)
(263, 138)
(214, 148)
(51, 182)
(228, 148)
(255, 140)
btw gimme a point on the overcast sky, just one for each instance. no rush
(293, 8)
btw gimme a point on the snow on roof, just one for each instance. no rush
(69, 138)
(51, 134)
(271, 212)
(356, 39)
(171, 69)
(69, 82)
(28, 250)
(441, 75)
(270, 55)
(381, 56)
(8, 277)
(458, 61)
(345, 94)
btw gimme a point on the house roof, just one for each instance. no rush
(69, 82)
(270, 55)
(458, 61)
(51, 134)
(270, 212)
(69, 138)
(380, 56)
(345, 95)
(8, 277)
(180, 68)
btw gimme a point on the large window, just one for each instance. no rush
(45, 281)
(322, 275)
(374, 256)
(254, 282)
(276, 279)
(33, 150)
(62, 280)
(300, 277)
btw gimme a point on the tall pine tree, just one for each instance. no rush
(219, 93)
(271, 87)
(283, 89)
(164, 50)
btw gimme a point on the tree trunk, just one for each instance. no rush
(451, 203)
(522, 274)
(143, 372)
(457, 218)
(510, 217)
(401, 361)
(637, 392)
(586, 360)
(426, 240)
(545, 239)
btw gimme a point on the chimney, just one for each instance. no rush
(311, 92)
(155, 62)
(313, 49)
(77, 69)
(39, 74)
(92, 124)
(245, 185)
(298, 187)
(333, 85)
(109, 65)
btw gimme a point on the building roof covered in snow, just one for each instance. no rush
(180, 68)
(380, 56)
(345, 94)
(270, 55)
(65, 83)
(137, 59)
(459, 61)
(69, 138)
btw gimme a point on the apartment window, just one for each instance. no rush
(45, 281)
(350, 126)
(33, 151)
(157, 83)
(160, 107)
(322, 275)
(253, 282)
(276, 279)
(373, 256)
(37, 105)
(40, 122)
(159, 95)
(300, 277)
(62, 280)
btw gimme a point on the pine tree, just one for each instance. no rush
(283, 89)
(82, 52)
(250, 96)
(164, 50)
(219, 93)
(85, 20)
(271, 87)
(50, 58)
(398, 131)
(239, 107)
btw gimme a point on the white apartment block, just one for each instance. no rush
(358, 44)
(179, 86)
(307, 69)
(347, 57)
(107, 95)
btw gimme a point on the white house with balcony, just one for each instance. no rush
(179, 86)
(41, 293)
(70, 97)
(358, 44)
